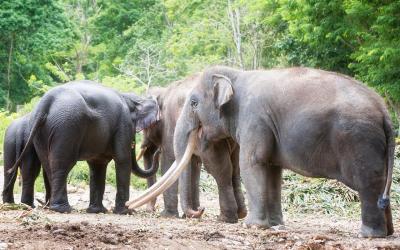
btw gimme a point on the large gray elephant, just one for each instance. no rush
(220, 159)
(84, 120)
(314, 122)
(15, 138)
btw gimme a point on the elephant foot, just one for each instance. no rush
(122, 210)
(228, 219)
(96, 209)
(190, 213)
(8, 199)
(169, 214)
(276, 221)
(61, 208)
(242, 213)
(29, 203)
(369, 232)
(251, 222)
(150, 207)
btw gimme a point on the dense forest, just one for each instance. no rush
(134, 44)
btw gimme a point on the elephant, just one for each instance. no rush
(83, 120)
(15, 138)
(220, 160)
(314, 122)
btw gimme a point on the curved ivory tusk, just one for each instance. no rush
(168, 178)
(141, 154)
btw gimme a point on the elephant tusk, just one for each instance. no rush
(168, 178)
(141, 153)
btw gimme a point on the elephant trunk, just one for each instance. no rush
(137, 170)
(185, 184)
(168, 178)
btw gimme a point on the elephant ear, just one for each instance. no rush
(146, 113)
(223, 91)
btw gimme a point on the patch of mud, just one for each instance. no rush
(38, 228)
(71, 236)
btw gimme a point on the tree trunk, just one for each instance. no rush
(234, 16)
(10, 52)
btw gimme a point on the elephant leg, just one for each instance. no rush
(374, 223)
(8, 190)
(123, 172)
(274, 183)
(170, 196)
(227, 200)
(148, 162)
(97, 186)
(389, 220)
(46, 185)
(217, 161)
(59, 173)
(30, 170)
(255, 182)
(195, 189)
(237, 185)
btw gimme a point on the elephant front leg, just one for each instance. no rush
(274, 183)
(148, 162)
(255, 181)
(237, 185)
(97, 187)
(170, 196)
(123, 172)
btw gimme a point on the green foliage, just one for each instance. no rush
(132, 45)
(30, 31)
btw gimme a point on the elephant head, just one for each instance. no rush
(144, 113)
(205, 115)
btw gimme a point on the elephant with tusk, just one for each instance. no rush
(220, 159)
(314, 122)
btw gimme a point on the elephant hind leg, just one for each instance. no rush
(30, 170)
(97, 187)
(374, 221)
(58, 179)
(389, 220)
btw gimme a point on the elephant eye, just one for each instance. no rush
(193, 103)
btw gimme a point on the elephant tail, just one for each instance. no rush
(39, 119)
(149, 172)
(384, 200)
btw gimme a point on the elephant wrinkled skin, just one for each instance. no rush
(15, 138)
(314, 122)
(84, 120)
(220, 159)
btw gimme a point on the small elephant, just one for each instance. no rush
(314, 122)
(220, 160)
(15, 138)
(84, 120)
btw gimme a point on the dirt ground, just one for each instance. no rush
(42, 229)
